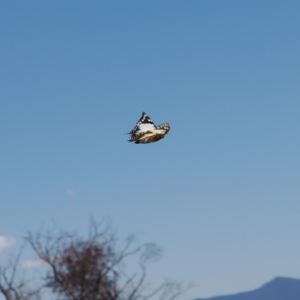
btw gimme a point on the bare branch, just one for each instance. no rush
(12, 286)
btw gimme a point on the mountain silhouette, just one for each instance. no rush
(280, 288)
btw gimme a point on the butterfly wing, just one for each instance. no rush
(144, 124)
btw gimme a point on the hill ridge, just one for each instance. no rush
(279, 288)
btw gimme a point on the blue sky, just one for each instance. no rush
(220, 194)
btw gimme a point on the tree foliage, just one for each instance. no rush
(92, 268)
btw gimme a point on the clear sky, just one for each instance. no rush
(221, 193)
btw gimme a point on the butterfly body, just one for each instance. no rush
(145, 131)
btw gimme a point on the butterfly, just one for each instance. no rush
(145, 131)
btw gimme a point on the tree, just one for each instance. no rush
(94, 268)
(13, 284)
